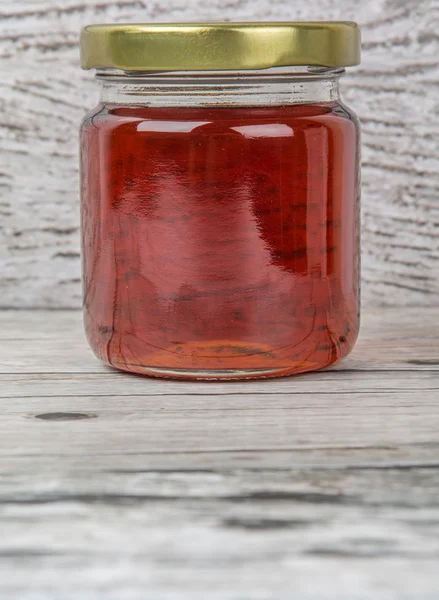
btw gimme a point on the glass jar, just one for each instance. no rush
(220, 199)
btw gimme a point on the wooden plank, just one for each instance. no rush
(402, 456)
(212, 423)
(294, 413)
(394, 92)
(116, 383)
(324, 534)
(35, 342)
(52, 343)
(118, 487)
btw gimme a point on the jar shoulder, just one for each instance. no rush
(347, 112)
(93, 116)
(216, 119)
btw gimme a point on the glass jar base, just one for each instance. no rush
(220, 374)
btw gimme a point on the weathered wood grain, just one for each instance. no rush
(211, 424)
(222, 535)
(104, 382)
(316, 487)
(44, 96)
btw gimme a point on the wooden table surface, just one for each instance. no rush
(118, 487)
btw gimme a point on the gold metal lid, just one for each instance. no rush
(219, 46)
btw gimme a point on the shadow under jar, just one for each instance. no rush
(220, 199)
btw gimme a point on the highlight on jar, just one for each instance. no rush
(220, 198)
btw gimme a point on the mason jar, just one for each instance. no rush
(220, 198)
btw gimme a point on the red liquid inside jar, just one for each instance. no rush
(220, 242)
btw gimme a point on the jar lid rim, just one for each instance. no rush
(220, 46)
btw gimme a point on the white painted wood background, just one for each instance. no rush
(43, 96)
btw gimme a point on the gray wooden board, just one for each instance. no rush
(44, 96)
(318, 487)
